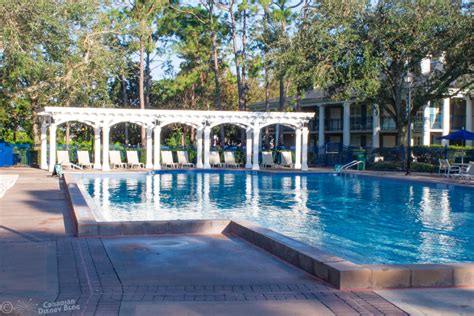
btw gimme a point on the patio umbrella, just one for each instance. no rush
(459, 135)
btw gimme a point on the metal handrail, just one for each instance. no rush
(351, 164)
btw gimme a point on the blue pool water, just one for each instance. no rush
(362, 219)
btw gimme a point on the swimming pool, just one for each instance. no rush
(359, 218)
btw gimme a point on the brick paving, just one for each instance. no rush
(86, 273)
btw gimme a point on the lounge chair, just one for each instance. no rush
(267, 159)
(229, 160)
(116, 160)
(183, 160)
(447, 168)
(286, 159)
(83, 159)
(468, 173)
(167, 159)
(215, 159)
(63, 160)
(132, 160)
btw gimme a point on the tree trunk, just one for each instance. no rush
(147, 80)
(67, 133)
(281, 108)
(141, 81)
(237, 59)
(123, 81)
(244, 44)
(36, 125)
(217, 82)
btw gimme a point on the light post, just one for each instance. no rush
(409, 81)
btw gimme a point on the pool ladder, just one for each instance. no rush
(351, 164)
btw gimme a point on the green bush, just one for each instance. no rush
(385, 166)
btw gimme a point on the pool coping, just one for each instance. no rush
(341, 273)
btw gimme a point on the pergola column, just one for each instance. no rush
(149, 148)
(426, 125)
(248, 147)
(97, 164)
(44, 147)
(255, 144)
(207, 146)
(446, 119)
(298, 148)
(469, 126)
(105, 147)
(346, 124)
(375, 126)
(304, 155)
(199, 148)
(157, 147)
(52, 146)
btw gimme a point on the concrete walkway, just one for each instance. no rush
(42, 263)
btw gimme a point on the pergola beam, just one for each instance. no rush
(102, 119)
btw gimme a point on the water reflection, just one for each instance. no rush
(357, 218)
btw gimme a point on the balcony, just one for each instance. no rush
(333, 125)
(359, 124)
(457, 122)
(437, 122)
(387, 123)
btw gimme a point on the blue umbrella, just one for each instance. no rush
(459, 135)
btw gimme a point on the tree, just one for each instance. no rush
(143, 13)
(363, 51)
(55, 52)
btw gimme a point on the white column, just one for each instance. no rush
(199, 148)
(298, 148)
(248, 148)
(44, 147)
(321, 126)
(304, 155)
(149, 148)
(346, 124)
(446, 119)
(255, 144)
(52, 146)
(156, 147)
(97, 164)
(375, 126)
(469, 126)
(207, 146)
(426, 125)
(105, 147)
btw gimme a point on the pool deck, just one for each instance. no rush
(41, 261)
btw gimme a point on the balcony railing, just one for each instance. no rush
(387, 123)
(359, 124)
(334, 124)
(437, 123)
(457, 121)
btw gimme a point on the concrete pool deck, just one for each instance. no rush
(41, 260)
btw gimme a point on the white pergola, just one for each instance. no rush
(102, 119)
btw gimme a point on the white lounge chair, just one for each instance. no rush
(167, 159)
(215, 159)
(286, 159)
(116, 160)
(63, 160)
(229, 160)
(183, 160)
(83, 159)
(267, 159)
(468, 173)
(132, 160)
(447, 168)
